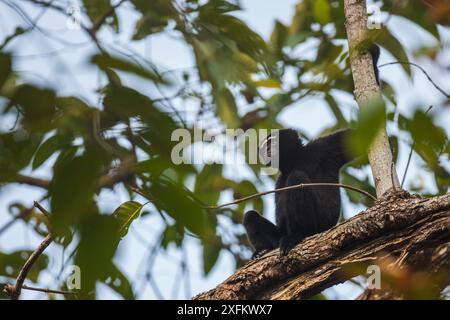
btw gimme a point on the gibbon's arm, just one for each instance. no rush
(331, 149)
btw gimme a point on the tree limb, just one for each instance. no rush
(397, 223)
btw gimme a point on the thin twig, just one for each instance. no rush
(14, 290)
(24, 287)
(421, 69)
(297, 186)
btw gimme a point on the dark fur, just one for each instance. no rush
(301, 212)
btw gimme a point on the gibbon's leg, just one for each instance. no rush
(262, 233)
(301, 209)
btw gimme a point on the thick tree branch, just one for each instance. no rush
(397, 223)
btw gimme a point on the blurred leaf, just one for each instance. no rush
(156, 126)
(227, 108)
(209, 183)
(126, 213)
(73, 186)
(385, 38)
(117, 281)
(98, 244)
(246, 188)
(335, 109)
(106, 62)
(268, 83)
(371, 118)
(12, 263)
(356, 197)
(48, 148)
(172, 234)
(97, 10)
(429, 139)
(415, 11)
(16, 150)
(322, 11)
(211, 251)
(37, 107)
(185, 210)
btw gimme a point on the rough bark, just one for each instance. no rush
(366, 90)
(400, 231)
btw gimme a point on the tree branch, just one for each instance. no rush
(14, 290)
(397, 223)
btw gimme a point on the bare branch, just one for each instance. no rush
(46, 290)
(397, 222)
(297, 186)
(14, 290)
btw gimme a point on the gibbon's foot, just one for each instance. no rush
(259, 254)
(287, 243)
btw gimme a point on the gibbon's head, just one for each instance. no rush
(281, 149)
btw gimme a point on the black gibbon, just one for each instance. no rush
(306, 211)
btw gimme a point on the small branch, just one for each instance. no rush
(410, 155)
(297, 186)
(14, 290)
(421, 69)
(42, 209)
(24, 287)
(102, 20)
(45, 184)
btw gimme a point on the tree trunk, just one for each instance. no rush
(367, 90)
(401, 233)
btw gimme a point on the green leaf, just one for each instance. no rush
(16, 151)
(98, 9)
(209, 183)
(117, 281)
(48, 148)
(106, 62)
(12, 263)
(268, 83)
(19, 31)
(126, 213)
(385, 38)
(334, 107)
(415, 11)
(37, 106)
(429, 139)
(356, 197)
(73, 186)
(211, 251)
(98, 244)
(322, 11)
(173, 234)
(180, 205)
(227, 108)
(371, 119)
(5, 68)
